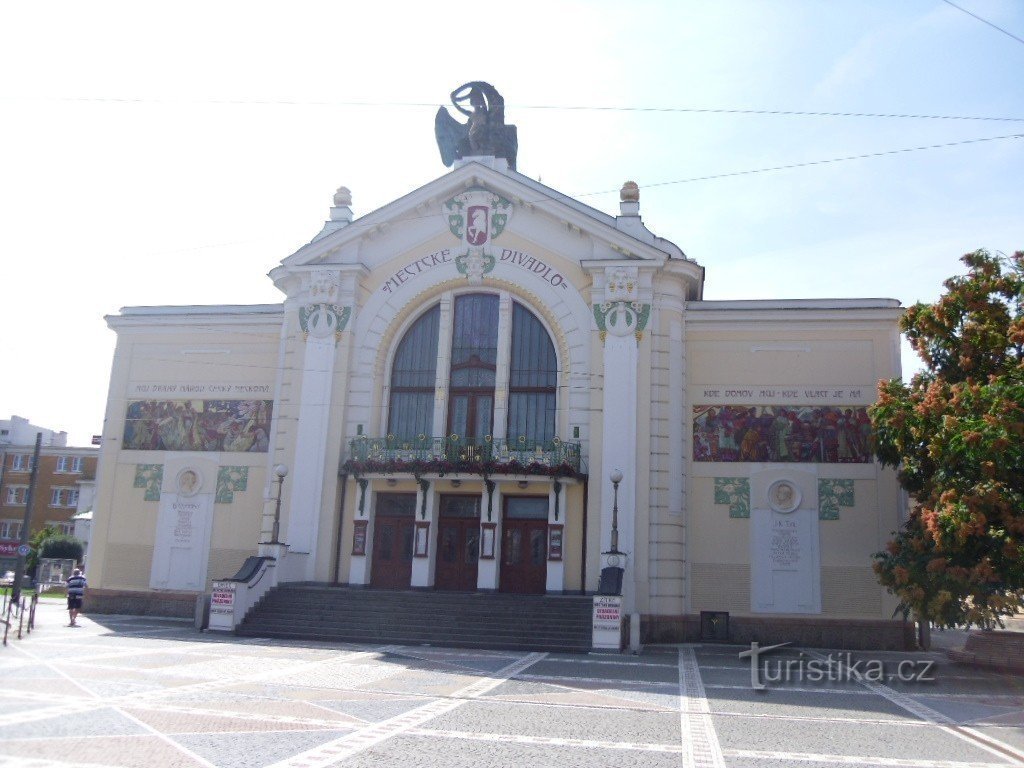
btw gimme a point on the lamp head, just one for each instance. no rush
(281, 471)
(615, 476)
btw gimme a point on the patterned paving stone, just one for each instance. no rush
(136, 692)
(117, 752)
(254, 750)
(887, 741)
(97, 720)
(559, 722)
(374, 711)
(177, 722)
(420, 752)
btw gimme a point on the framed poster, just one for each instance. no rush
(554, 542)
(422, 541)
(487, 536)
(359, 537)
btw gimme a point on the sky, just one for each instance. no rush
(169, 154)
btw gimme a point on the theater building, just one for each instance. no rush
(450, 385)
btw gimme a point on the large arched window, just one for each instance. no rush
(529, 374)
(474, 365)
(413, 377)
(533, 374)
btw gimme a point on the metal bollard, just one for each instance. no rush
(32, 612)
(21, 617)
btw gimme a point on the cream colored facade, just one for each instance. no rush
(704, 407)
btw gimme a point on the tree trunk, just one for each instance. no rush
(924, 634)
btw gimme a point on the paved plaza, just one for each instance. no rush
(135, 691)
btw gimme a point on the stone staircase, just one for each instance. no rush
(454, 619)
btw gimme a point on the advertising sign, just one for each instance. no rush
(607, 623)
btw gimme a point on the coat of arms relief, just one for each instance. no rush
(477, 216)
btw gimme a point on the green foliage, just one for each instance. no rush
(36, 543)
(956, 435)
(62, 547)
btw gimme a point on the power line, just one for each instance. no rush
(548, 107)
(984, 21)
(814, 162)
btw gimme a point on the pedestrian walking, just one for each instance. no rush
(76, 591)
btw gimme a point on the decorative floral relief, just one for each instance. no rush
(229, 481)
(734, 491)
(833, 494)
(150, 477)
(621, 318)
(322, 320)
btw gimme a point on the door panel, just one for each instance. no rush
(458, 552)
(394, 529)
(458, 543)
(524, 562)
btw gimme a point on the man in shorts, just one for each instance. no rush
(76, 591)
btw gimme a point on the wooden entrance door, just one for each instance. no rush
(458, 543)
(524, 552)
(393, 531)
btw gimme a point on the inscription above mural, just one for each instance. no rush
(809, 434)
(198, 425)
(749, 394)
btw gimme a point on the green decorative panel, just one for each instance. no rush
(833, 494)
(734, 491)
(229, 481)
(150, 477)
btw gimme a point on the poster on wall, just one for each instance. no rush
(198, 425)
(776, 433)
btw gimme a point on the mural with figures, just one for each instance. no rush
(810, 434)
(198, 425)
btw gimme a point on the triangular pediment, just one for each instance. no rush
(420, 216)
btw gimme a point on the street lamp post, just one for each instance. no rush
(281, 471)
(616, 478)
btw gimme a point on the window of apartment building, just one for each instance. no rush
(71, 464)
(64, 497)
(64, 527)
(16, 495)
(21, 462)
(10, 529)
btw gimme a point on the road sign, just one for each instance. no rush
(24, 549)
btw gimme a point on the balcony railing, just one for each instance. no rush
(455, 454)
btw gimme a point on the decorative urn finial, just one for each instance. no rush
(630, 192)
(343, 197)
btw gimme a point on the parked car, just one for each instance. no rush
(7, 580)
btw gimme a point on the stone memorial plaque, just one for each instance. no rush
(785, 574)
(182, 547)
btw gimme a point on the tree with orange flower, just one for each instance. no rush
(955, 433)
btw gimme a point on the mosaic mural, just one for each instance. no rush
(734, 491)
(833, 494)
(150, 477)
(230, 480)
(198, 425)
(810, 434)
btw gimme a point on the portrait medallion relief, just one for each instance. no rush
(189, 482)
(783, 496)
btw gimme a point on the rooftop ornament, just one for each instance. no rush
(484, 134)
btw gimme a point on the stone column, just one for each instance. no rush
(621, 319)
(426, 512)
(322, 321)
(359, 568)
(556, 535)
(488, 569)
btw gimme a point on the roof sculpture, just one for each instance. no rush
(485, 133)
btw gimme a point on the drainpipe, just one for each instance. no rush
(341, 521)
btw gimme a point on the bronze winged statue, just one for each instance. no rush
(485, 133)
